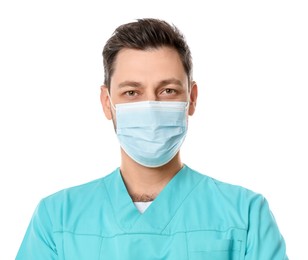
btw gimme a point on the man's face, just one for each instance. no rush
(155, 75)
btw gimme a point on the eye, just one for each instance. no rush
(130, 93)
(169, 91)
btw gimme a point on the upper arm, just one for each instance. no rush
(38, 241)
(264, 240)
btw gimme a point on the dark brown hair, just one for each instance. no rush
(142, 35)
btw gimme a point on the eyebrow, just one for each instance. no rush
(170, 81)
(160, 84)
(129, 83)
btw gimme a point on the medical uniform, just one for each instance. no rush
(194, 217)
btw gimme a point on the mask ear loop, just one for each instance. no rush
(112, 112)
(187, 105)
(111, 103)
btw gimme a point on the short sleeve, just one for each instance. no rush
(264, 240)
(38, 241)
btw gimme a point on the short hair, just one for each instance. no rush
(145, 34)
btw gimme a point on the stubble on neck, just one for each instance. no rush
(143, 183)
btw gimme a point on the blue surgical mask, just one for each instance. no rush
(151, 132)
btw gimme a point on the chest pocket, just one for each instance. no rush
(201, 248)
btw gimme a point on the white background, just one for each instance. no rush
(250, 127)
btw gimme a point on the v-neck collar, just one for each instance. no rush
(162, 209)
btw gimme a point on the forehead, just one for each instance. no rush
(147, 65)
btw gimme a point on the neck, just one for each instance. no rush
(144, 182)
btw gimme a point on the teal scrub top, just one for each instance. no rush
(194, 217)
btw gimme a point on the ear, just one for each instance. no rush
(193, 98)
(106, 102)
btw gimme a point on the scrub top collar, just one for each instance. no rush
(160, 212)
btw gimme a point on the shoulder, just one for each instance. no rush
(77, 196)
(233, 190)
(225, 192)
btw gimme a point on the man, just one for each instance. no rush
(153, 206)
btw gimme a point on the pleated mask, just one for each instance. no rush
(151, 132)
